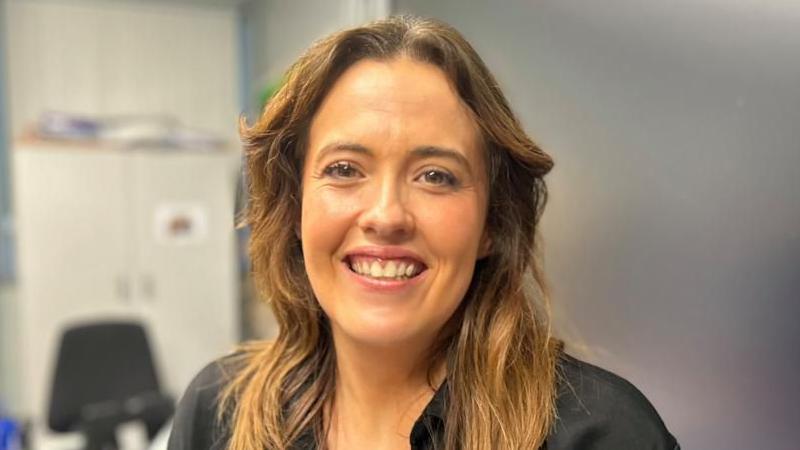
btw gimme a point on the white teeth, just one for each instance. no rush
(375, 269)
(393, 269)
(390, 270)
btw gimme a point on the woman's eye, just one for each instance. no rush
(341, 169)
(438, 178)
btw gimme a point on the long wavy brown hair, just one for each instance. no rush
(498, 349)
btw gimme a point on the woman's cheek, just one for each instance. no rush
(338, 202)
(453, 218)
(327, 213)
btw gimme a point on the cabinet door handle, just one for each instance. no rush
(123, 288)
(148, 287)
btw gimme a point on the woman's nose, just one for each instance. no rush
(387, 215)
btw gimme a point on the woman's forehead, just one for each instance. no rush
(402, 80)
(400, 102)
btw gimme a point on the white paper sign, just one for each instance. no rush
(180, 223)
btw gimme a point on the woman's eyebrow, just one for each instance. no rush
(440, 152)
(427, 151)
(342, 146)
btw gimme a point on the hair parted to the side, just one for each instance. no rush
(498, 348)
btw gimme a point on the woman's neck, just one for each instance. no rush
(380, 392)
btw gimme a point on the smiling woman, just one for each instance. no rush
(394, 203)
(408, 191)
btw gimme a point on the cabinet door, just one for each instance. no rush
(185, 258)
(72, 227)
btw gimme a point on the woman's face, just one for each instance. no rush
(394, 202)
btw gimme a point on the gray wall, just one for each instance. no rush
(673, 231)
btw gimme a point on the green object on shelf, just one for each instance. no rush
(268, 91)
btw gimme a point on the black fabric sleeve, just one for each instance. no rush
(601, 411)
(195, 426)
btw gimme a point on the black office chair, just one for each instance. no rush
(105, 376)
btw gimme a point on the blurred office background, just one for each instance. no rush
(672, 232)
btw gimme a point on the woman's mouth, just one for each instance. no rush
(386, 269)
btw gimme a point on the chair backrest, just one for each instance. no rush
(98, 363)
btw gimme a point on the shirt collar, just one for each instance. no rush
(433, 412)
(438, 404)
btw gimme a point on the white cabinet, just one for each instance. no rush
(108, 233)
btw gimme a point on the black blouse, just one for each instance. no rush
(596, 410)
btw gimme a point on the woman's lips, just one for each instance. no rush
(383, 284)
(384, 268)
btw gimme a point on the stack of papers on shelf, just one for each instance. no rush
(144, 131)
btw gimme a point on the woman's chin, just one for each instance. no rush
(382, 333)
